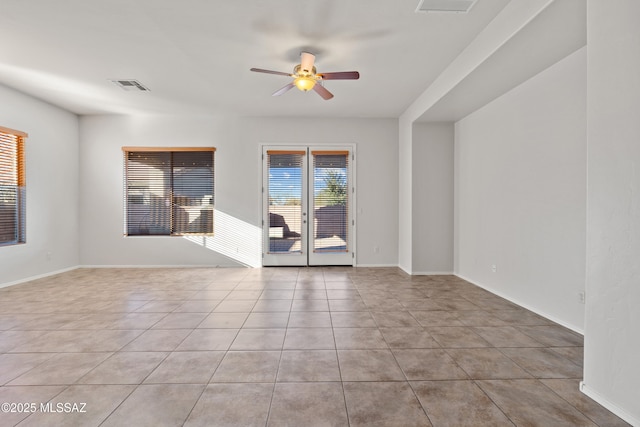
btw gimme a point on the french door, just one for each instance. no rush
(308, 205)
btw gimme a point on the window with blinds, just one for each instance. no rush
(285, 201)
(168, 191)
(12, 187)
(330, 201)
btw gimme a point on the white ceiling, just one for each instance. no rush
(558, 30)
(195, 55)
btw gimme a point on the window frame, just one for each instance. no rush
(16, 175)
(170, 151)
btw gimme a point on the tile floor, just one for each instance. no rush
(282, 347)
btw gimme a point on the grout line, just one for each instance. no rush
(335, 344)
(477, 384)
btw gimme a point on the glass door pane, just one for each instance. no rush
(331, 207)
(285, 219)
(330, 202)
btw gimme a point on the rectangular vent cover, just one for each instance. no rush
(450, 6)
(130, 85)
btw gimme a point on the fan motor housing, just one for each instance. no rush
(298, 71)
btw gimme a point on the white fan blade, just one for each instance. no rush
(282, 90)
(278, 73)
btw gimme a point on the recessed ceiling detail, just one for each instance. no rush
(451, 6)
(130, 85)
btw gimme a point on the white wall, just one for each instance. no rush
(432, 198)
(238, 185)
(376, 143)
(612, 324)
(101, 187)
(51, 162)
(405, 184)
(520, 197)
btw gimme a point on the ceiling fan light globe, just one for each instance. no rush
(304, 83)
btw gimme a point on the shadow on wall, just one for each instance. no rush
(233, 238)
(241, 241)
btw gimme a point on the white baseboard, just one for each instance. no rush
(523, 305)
(162, 266)
(584, 388)
(405, 269)
(433, 273)
(424, 273)
(39, 276)
(376, 265)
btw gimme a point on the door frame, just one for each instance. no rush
(305, 259)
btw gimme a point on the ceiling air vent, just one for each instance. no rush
(130, 85)
(451, 6)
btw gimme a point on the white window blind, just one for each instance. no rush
(12, 187)
(168, 191)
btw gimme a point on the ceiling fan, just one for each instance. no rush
(305, 77)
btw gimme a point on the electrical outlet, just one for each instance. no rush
(376, 249)
(494, 268)
(582, 297)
